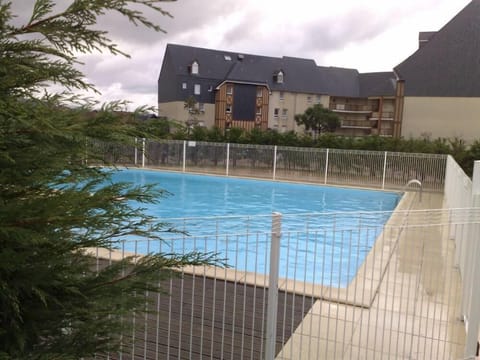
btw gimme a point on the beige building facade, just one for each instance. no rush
(285, 105)
(441, 117)
(175, 110)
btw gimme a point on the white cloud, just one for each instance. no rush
(369, 35)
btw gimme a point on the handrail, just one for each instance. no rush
(417, 182)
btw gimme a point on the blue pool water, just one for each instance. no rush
(316, 247)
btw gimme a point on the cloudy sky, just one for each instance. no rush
(368, 35)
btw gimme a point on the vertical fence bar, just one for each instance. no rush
(274, 162)
(384, 170)
(271, 329)
(228, 160)
(326, 167)
(184, 155)
(143, 152)
(86, 150)
(474, 309)
(136, 152)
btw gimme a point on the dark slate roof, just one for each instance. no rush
(300, 75)
(253, 69)
(448, 64)
(339, 81)
(424, 37)
(377, 84)
(212, 62)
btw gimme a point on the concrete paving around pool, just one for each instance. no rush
(414, 314)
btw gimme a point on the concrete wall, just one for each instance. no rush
(441, 117)
(175, 110)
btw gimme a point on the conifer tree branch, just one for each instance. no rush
(55, 206)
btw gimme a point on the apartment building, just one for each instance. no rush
(435, 92)
(252, 91)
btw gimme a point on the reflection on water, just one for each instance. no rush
(317, 245)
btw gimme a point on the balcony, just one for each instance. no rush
(386, 115)
(352, 108)
(356, 124)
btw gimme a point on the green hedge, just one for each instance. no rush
(463, 153)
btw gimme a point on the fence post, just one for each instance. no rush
(184, 155)
(274, 162)
(272, 306)
(384, 170)
(473, 293)
(228, 159)
(86, 150)
(136, 152)
(143, 152)
(326, 167)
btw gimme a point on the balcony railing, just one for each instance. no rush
(353, 108)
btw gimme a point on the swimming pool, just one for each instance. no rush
(315, 246)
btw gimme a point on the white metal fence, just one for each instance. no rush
(412, 295)
(403, 300)
(461, 191)
(376, 169)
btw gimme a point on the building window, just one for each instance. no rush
(184, 86)
(309, 99)
(280, 77)
(210, 88)
(201, 107)
(228, 109)
(276, 111)
(227, 57)
(282, 95)
(229, 89)
(259, 110)
(318, 99)
(196, 90)
(259, 92)
(194, 68)
(284, 114)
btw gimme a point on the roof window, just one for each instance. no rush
(194, 68)
(227, 57)
(196, 89)
(278, 77)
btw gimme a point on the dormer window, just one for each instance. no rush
(278, 77)
(194, 68)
